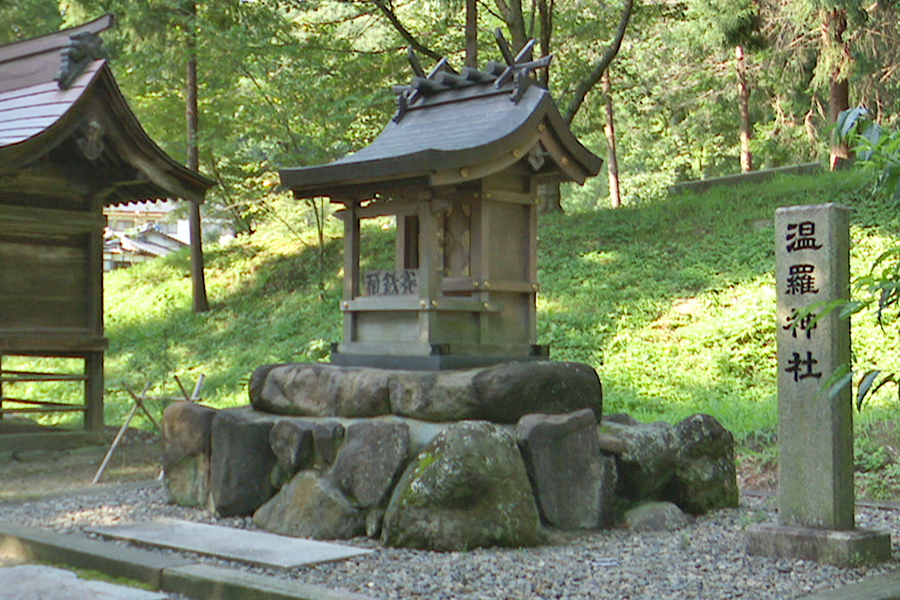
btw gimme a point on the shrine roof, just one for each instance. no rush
(451, 128)
(58, 89)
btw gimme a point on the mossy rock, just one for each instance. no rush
(468, 488)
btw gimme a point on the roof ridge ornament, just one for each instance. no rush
(83, 49)
(515, 76)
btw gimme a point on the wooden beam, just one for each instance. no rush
(507, 196)
(20, 219)
(412, 303)
(51, 180)
(63, 344)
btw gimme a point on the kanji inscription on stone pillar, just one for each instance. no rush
(815, 429)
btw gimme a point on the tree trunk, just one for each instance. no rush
(834, 27)
(511, 13)
(586, 84)
(546, 20)
(200, 301)
(744, 109)
(472, 34)
(612, 166)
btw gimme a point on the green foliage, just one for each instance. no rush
(23, 19)
(728, 23)
(876, 290)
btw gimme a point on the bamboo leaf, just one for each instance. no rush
(864, 385)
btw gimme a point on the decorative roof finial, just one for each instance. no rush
(515, 76)
(82, 50)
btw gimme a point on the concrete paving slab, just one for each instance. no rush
(884, 587)
(31, 544)
(252, 547)
(205, 581)
(35, 582)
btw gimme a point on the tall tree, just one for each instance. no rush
(587, 83)
(472, 34)
(612, 159)
(746, 126)
(836, 56)
(733, 24)
(192, 117)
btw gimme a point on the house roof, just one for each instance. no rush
(451, 128)
(148, 241)
(57, 93)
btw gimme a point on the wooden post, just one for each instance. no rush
(93, 360)
(93, 391)
(351, 267)
(429, 274)
(531, 269)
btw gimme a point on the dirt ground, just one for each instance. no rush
(42, 474)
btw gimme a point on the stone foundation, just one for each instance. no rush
(446, 485)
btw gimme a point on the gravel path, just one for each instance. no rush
(705, 560)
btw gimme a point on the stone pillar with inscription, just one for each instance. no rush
(815, 420)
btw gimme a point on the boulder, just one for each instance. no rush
(648, 459)
(320, 390)
(293, 446)
(705, 478)
(310, 506)
(300, 443)
(466, 489)
(187, 481)
(509, 391)
(436, 396)
(501, 394)
(241, 461)
(573, 482)
(371, 461)
(327, 439)
(656, 516)
(186, 441)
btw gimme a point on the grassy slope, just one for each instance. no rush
(673, 303)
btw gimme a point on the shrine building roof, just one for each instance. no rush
(451, 128)
(58, 97)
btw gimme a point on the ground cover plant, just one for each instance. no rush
(672, 302)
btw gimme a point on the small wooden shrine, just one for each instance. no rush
(458, 168)
(69, 145)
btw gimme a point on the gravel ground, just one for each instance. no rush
(704, 560)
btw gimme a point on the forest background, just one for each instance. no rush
(697, 87)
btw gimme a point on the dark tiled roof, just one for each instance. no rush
(448, 123)
(40, 109)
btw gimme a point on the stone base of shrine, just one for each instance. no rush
(847, 548)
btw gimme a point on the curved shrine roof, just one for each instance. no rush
(58, 88)
(453, 128)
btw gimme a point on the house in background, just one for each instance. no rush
(136, 215)
(146, 243)
(140, 231)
